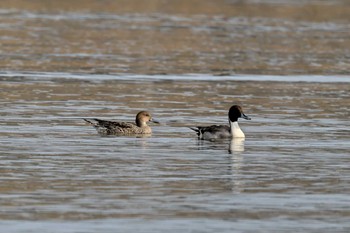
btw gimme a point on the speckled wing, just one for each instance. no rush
(112, 124)
(111, 127)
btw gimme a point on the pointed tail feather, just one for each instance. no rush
(90, 122)
(194, 128)
(197, 130)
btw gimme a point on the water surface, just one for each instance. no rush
(221, 37)
(187, 62)
(291, 172)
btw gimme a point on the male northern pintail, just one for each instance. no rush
(124, 128)
(223, 131)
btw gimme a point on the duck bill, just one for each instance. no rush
(245, 117)
(154, 121)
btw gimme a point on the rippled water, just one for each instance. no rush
(290, 174)
(61, 61)
(175, 37)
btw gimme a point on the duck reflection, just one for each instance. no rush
(236, 150)
(235, 160)
(236, 145)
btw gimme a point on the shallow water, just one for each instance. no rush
(61, 61)
(221, 37)
(290, 174)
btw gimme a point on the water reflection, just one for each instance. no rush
(233, 146)
(236, 149)
(48, 149)
(218, 144)
(236, 146)
(236, 169)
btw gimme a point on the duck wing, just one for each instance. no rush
(109, 124)
(211, 131)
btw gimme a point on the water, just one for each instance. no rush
(290, 174)
(166, 37)
(67, 60)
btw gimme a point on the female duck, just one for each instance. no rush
(223, 131)
(104, 127)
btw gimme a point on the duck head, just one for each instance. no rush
(143, 117)
(236, 112)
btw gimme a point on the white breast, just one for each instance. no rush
(236, 131)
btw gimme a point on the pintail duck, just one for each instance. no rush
(223, 131)
(105, 127)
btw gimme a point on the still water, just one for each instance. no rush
(291, 173)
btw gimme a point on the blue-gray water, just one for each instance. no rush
(291, 173)
(187, 62)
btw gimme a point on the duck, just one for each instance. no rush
(140, 127)
(223, 131)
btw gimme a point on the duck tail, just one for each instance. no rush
(90, 122)
(197, 130)
(194, 129)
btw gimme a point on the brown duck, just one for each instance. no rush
(105, 127)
